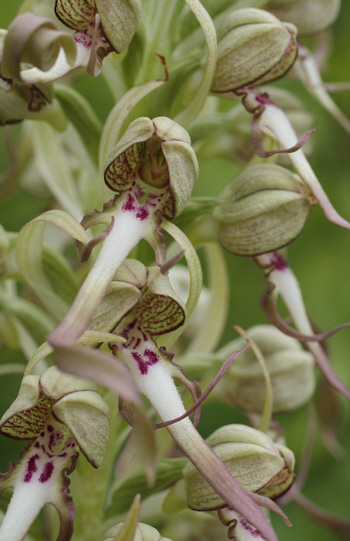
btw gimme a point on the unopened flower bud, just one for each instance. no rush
(309, 16)
(291, 370)
(255, 462)
(157, 152)
(144, 532)
(254, 47)
(263, 209)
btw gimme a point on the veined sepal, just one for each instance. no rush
(254, 461)
(254, 47)
(118, 20)
(290, 368)
(159, 152)
(73, 401)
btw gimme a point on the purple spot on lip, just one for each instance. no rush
(142, 213)
(50, 428)
(36, 444)
(247, 526)
(143, 365)
(46, 473)
(31, 468)
(152, 356)
(278, 262)
(129, 204)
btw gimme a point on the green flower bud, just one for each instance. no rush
(157, 153)
(309, 16)
(256, 463)
(254, 47)
(144, 532)
(263, 209)
(290, 367)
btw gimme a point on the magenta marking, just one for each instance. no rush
(142, 213)
(50, 428)
(46, 473)
(138, 342)
(278, 262)
(247, 526)
(152, 356)
(144, 336)
(143, 365)
(36, 444)
(31, 468)
(263, 99)
(128, 206)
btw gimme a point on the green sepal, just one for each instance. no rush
(262, 209)
(119, 300)
(119, 21)
(130, 154)
(87, 416)
(56, 384)
(25, 418)
(254, 47)
(76, 14)
(160, 310)
(253, 460)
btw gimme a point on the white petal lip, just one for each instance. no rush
(59, 69)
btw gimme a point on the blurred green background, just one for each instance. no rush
(320, 258)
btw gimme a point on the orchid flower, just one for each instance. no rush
(152, 169)
(57, 412)
(159, 311)
(100, 28)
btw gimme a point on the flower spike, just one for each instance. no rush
(54, 411)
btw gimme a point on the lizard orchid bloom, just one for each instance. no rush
(57, 412)
(100, 28)
(152, 171)
(159, 311)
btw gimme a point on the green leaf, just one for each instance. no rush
(82, 116)
(168, 471)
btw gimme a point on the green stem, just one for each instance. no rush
(208, 337)
(158, 32)
(195, 106)
(195, 271)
